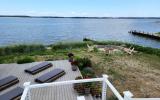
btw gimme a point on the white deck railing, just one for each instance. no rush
(105, 84)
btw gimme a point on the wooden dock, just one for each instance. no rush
(64, 92)
(148, 35)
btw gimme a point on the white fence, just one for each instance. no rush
(105, 84)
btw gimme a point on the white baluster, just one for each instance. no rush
(26, 84)
(104, 87)
(127, 95)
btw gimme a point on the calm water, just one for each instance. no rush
(51, 30)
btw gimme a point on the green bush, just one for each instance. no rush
(17, 49)
(87, 40)
(147, 50)
(68, 45)
(88, 72)
(25, 60)
(1, 61)
(83, 63)
(158, 33)
(2, 51)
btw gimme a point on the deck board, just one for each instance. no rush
(64, 92)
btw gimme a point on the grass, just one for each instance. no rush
(68, 45)
(21, 49)
(147, 50)
(129, 72)
(126, 72)
(11, 54)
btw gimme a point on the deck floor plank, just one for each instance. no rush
(64, 92)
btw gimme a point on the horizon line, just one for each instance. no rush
(77, 16)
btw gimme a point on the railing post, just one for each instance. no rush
(127, 95)
(104, 87)
(26, 84)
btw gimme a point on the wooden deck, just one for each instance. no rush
(65, 92)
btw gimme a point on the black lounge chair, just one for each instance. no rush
(14, 94)
(38, 68)
(7, 82)
(50, 76)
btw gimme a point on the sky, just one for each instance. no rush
(87, 8)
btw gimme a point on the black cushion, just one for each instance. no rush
(37, 68)
(13, 94)
(7, 82)
(50, 76)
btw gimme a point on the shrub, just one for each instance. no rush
(1, 51)
(96, 89)
(87, 40)
(70, 54)
(25, 60)
(147, 50)
(83, 62)
(1, 61)
(158, 33)
(68, 45)
(17, 49)
(95, 49)
(88, 72)
(86, 62)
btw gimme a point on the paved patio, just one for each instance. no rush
(65, 92)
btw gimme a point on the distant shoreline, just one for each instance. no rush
(25, 16)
